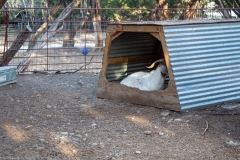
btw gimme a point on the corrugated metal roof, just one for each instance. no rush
(205, 60)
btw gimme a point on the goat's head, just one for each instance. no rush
(162, 66)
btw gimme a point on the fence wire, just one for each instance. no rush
(60, 45)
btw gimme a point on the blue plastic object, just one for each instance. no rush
(84, 50)
(7, 75)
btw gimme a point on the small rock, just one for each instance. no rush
(64, 133)
(71, 134)
(42, 140)
(101, 144)
(84, 139)
(48, 106)
(170, 121)
(77, 131)
(94, 125)
(178, 120)
(138, 152)
(231, 143)
(95, 144)
(230, 106)
(161, 133)
(62, 142)
(29, 127)
(165, 113)
(16, 120)
(121, 153)
(78, 135)
(40, 148)
(44, 123)
(49, 116)
(80, 83)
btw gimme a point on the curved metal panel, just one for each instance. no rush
(205, 60)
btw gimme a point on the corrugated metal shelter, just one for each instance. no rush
(202, 57)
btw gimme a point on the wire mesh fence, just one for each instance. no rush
(37, 42)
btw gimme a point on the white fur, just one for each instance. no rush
(146, 81)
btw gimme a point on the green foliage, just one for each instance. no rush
(129, 9)
(131, 13)
(2, 16)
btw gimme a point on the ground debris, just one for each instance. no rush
(71, 127)
(29, 127)
(150, 132)
(231, 143)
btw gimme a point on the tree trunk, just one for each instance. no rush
(2, 2)
(96, 18)
(69, 32)
(236, 5)
(68, 39)
(224, 11)
(163, 14)
(51, 31)
(34, 37)
(190, 10)
(16, 45)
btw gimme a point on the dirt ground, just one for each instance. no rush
(58, 116)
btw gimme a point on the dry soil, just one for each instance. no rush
(58, 116)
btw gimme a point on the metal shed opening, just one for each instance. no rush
(131, 52)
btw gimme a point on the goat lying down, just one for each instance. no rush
(148, 81)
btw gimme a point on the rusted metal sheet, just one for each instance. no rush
(205, 62)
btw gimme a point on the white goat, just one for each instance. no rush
(147, 81)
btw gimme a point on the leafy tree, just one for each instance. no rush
(235, 4)
(2, 2)
(134, 9)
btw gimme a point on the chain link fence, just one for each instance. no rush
(70, 44)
